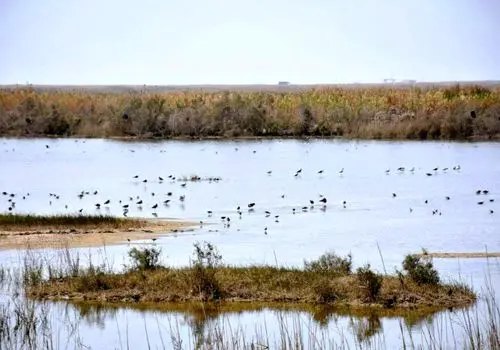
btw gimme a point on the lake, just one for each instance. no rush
(431, 204)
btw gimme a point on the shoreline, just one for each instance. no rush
(472, 139)
(88, 236)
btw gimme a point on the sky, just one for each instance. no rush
(167, 42)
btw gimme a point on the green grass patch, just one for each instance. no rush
(10, 222)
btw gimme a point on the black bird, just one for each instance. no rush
(169, 194)
(492, 200)
(238, 208)
(98, 206)
(125, 206)
(428, 174)
(251, 205)
(299, 171)
(447, 198)
(160, 178)
(435, 169)
(107, 202)
(480, 203)
(95, 192)
(426, 201)
(145, 180)
(478, 192)
(394, 195)
(166, 202)
(209, 212)
(269, 172)
(153, 239)
(320, 172)
(136, 176)
(311, 201)
(485, 191)
(139, 202)
(181, 198)
(323, 200)
(491, 211)
(154, 206)
(46, 146)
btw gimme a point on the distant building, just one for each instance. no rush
(283, 83)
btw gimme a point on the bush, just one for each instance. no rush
(330, 263)
(419, 271)
(370, 282)
(325, 292)
(204, 267)
(145, 259)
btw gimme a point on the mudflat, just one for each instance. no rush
(90, 235)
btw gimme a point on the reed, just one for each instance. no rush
(373, 112)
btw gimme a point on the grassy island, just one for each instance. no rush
(329, 280)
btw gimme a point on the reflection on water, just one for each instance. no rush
(203, 321)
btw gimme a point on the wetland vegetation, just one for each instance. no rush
(327, 280)
(370, 112)
(40, 231)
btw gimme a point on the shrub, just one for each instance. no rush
(325, 292)
(330, 263)
(204, 267)
(145, 259)
(419, 271)
(369, 281)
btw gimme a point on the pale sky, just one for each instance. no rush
(164, 42)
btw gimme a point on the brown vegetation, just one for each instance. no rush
(388, 112)
(35, 231)
(208, 280)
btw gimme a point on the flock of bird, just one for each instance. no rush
(154, 201)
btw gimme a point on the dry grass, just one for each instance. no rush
(19, 231)
(15, 222)
(420, 112)
(251, 284)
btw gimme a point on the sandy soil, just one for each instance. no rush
(461, 255)
(87, 237)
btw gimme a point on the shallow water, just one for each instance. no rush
(372, 215)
